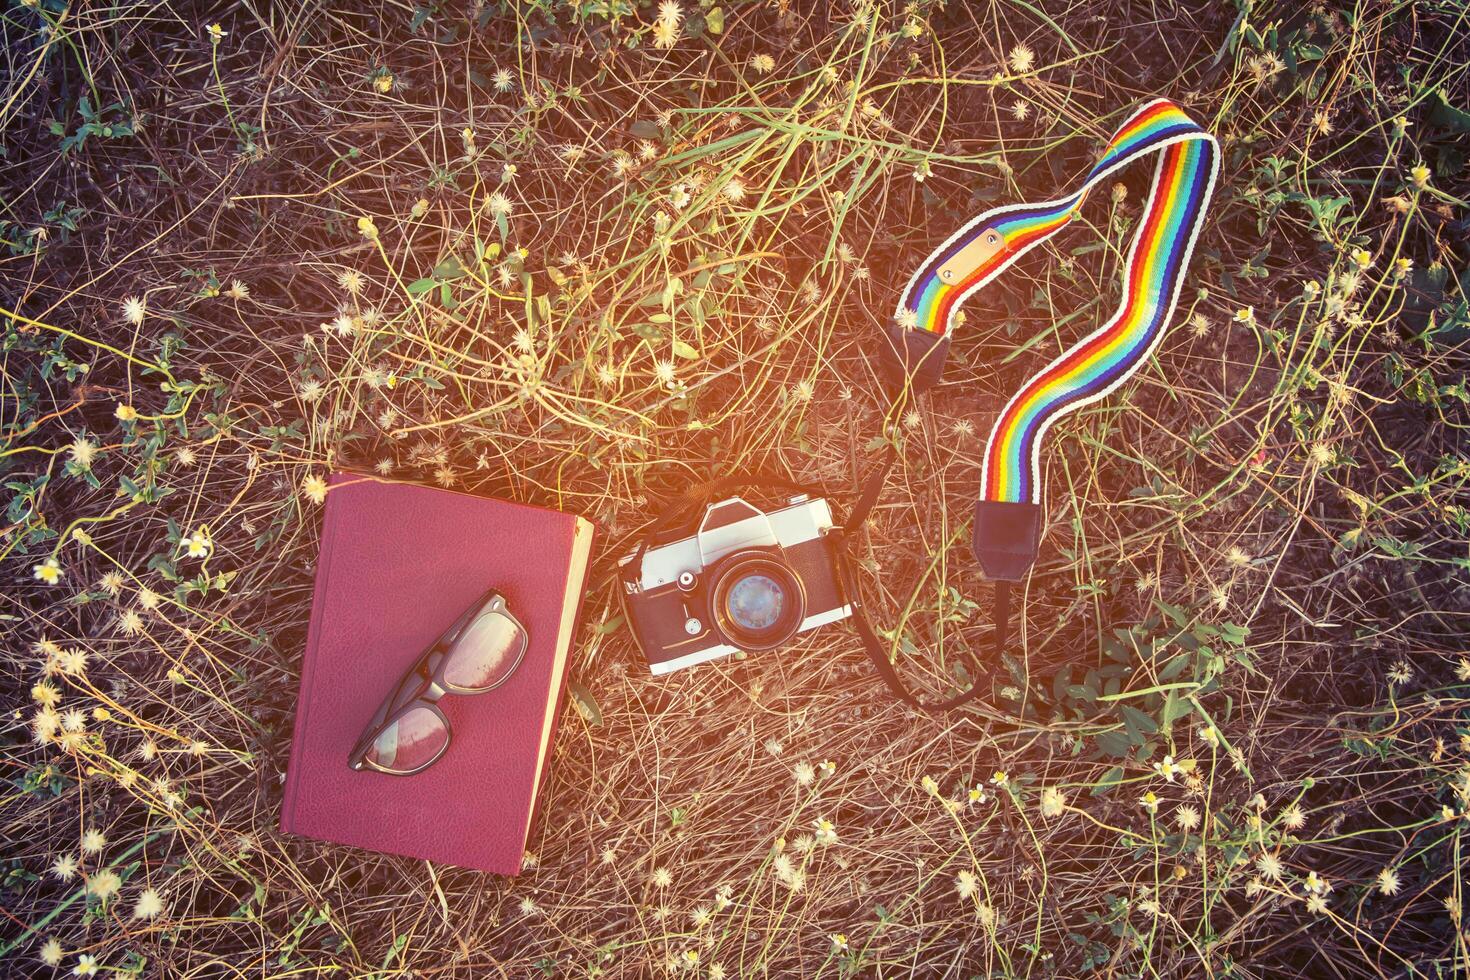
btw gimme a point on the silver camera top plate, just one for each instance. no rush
(728, 526)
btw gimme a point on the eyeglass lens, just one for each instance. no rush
(485, 653)
(412, 741)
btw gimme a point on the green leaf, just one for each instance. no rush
(450, 268)
(645, 129)
(685, 351)
(1446, 115)
(1115, 744)
(1111, 778)
(714, 19)
(585, 702)
(1139, 724)
(420, 286)
(1175, 708)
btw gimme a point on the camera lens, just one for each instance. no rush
(757, 600)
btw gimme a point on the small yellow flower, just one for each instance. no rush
(49, 571)
(384, 82)
(315, 488)
(1167, 769)
(1001, 778)
(826, 830)
(1150, 802)
(216, 33)
(1419, 176)
(839, 941)
(420, 208)
(1053, 802)
(125, 413)
(1362, 258)
(367, 229)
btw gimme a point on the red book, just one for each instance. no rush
(399, 563)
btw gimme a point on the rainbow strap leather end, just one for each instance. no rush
(1006, 538)
(1008, 518)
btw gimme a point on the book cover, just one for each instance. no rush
(398, 564)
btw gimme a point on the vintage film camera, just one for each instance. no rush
(747, 579)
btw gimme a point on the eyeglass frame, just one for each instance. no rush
(432, 685)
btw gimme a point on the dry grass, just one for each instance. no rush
(1256, 557)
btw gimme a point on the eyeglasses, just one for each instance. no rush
(476, 654)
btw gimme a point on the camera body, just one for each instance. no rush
(747, 579)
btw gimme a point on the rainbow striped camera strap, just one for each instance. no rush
(1008, 515)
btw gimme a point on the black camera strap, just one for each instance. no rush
(873, 645)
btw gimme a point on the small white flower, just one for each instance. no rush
(149, 904)
(135, 308)
(199, 544)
